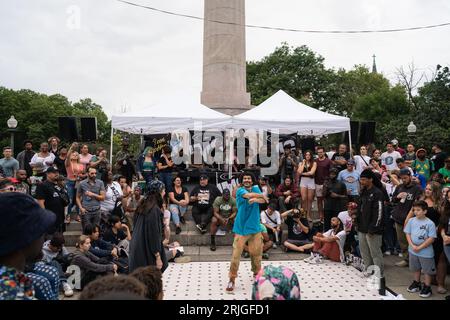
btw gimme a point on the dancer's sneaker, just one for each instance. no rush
(230, 287)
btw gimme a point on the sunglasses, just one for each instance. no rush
(9, 189)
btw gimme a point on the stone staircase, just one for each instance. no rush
(190, 235)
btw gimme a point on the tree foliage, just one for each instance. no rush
(357, 93)
(37, 114)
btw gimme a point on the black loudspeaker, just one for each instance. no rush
(68, 128)
(354, 127)
(367, 133)
(88, 129)
(308, 144)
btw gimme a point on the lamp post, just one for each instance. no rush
(412, 129)
(12, 125)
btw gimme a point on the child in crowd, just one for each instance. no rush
(421, 233)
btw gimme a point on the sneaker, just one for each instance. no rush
(183, 259)
(203, 226)
(221, 232)
(425, 292)
(441, 290)
(213, 247)
(68, 291)
(317, 260)
(274, 246)
(400, 255)
(312, 257)
(365, 274)
(402, 263)
(230, 286)
(246, 255)
(182, 220)
(414, 287)
(387, 253)
(265, 256)
(178, 230)
(199, 227)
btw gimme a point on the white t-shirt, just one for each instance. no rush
(41, 161)
(112, 192)
(389, 160)
(342, 235)
(345, 219)
(275, 216)
(360, 165)
(265, 191)
(330, 154)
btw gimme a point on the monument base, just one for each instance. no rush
(228, 103)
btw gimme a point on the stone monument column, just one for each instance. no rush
(224, 63)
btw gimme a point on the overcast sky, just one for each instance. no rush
(123, 55)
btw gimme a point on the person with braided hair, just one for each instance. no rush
(146, 246)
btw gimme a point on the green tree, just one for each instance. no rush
(432, 113)
(38, 114)
(300, 72)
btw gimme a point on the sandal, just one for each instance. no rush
(78, 219)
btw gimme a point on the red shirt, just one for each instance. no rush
(323, 170)
(282, 188)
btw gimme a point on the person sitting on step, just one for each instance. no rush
(328, 245)
(299, 232)
(202, 197)
(271, 219)
(225, 210)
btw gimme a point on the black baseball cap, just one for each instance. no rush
(23, 221)
(203, 177)
(52, 170)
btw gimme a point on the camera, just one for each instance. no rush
(298, 214)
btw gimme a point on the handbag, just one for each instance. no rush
(118, 209)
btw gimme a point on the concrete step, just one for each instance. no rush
(195, 238)
(71, 238)
(191, 226)
(185, 238)
(73, 226)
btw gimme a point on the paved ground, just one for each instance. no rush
(397, 279)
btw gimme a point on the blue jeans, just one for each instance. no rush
(148, 177)
(389, 235)
(166, 178)
(71, 191)
(447, 252)
(176, 212)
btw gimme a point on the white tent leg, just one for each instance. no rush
(111, 146)
(350, 142)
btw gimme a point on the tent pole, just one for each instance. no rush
(111, 146)
(350, 142)
(230, 152)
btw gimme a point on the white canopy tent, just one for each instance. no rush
(280, 112)
(169, 117)
(284, 113)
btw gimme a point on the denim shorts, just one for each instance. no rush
(426, 265)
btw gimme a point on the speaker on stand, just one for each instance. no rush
(88, 129)
(67, 128)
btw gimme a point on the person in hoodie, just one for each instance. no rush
(55, 254)
(370, 223)
(403, 198)
(90, 265)
(100, 247)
